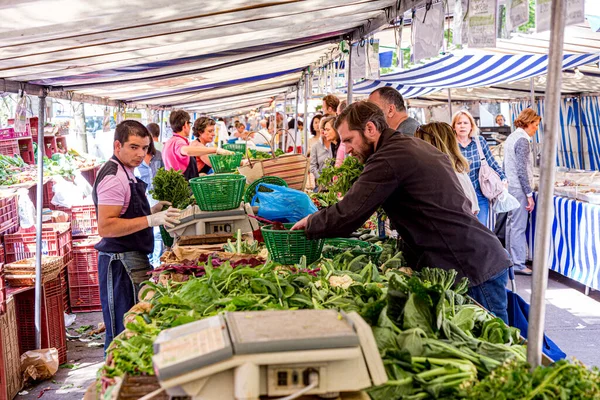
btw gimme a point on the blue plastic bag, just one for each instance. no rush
(282, 204)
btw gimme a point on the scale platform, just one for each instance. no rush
(246, 355)
(195, 222)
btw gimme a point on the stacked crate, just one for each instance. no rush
(10, 356)
(84, 290)
(57, 240)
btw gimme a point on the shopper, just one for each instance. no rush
(325, 149)
(330, 105)
(390, 101)
(155, 131)
(125, 222)
(341, 153)
(178, 153)
(419, 191)
(500, 120)
(441, 136)
(466, 134)
(204, 131)
(518, 164)
(315, 131)
(263, 136)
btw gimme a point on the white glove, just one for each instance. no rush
(169, 218)
(223, 152)
(159, 206)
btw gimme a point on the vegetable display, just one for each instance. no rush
(261, 155)
(171, 186)
(434, 342)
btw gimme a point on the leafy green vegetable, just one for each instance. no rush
(171, 186)
(338, 181)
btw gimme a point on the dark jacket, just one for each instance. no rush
(418, 189)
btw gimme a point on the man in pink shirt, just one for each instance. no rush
(125, 222)
(178, 153)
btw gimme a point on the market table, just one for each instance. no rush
(575, 244)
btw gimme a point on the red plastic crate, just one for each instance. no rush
(7, 133)
(53, 322)
(48, 195)
(84, 221)
(26, 150)
(10, 358)
(1, 254)
(56, 241)
(64, 283)
(9, 215)
(84, 291)
(85, 298)
(9, 147)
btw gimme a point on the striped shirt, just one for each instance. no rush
(471, 154)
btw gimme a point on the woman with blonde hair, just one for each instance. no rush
(518, 164)
(467, 136)
(441, 136)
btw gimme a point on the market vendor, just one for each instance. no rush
(419, 191)
(204, 131)
(125, 222)
(177, 151)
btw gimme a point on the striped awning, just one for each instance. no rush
(471, 70)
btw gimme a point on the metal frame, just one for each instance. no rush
(543, 228)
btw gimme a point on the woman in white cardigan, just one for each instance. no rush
(441, 136)
(518, 166)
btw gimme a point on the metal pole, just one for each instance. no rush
(532, 93)
(38, 238)
(450, 103)
(307, 76)
(545, 215)
(581, 133)
(296, 110)
(350, 82)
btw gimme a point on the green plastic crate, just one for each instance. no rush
(237, 147)
(218, 192)
(340, 245)
(287, 247)
(251, 191)
(222, 164)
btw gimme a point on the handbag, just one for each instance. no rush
(489, 181)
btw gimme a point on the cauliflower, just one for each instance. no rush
(343, 281)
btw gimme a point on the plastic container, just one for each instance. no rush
(53, 322)
(287, 247)
(56, 241)
(10, 357)
(339, 246)
(237, 147)
(218, 192)
(84, 221)
(251, 191)
(84, 291)
(222, 164)
(9, 147)
(9, 215)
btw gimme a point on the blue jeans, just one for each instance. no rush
(119, 276)
(492, 295)
(484, 208)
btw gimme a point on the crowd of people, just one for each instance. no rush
(427, 178)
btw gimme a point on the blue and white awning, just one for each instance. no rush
(466, 71)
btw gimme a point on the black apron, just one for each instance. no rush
(141, 241)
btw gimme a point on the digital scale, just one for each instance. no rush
(194, 222)
(246, 355)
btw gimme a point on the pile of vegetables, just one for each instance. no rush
(261, 155)
(338, 180)
(340, 284)
(435, 343)
(171, 186)
(14, 170)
